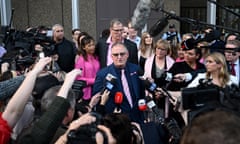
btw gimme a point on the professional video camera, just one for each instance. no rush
(77, 87)
(20, 45)
(197, 97)
(207, 97)
(86, 134)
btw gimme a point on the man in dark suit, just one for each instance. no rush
(129, 106)
(232, 56)
(103, 47)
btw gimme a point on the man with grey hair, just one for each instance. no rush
(47, 100)
(65, 49)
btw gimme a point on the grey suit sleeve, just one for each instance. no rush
(9, 87)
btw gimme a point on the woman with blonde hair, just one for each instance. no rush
(216, 70)
(157, 64)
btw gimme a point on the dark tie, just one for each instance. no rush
(126, 87)
(233, 72)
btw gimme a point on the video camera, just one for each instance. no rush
(77, 87)
(207, 97)
(86, 134)
(21, 44)
(197, 97)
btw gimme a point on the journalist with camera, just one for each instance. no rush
(207, 88)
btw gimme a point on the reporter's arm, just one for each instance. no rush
(84, 119)
(68, 82)
(9, 87)
(47, 125)
(16, 104)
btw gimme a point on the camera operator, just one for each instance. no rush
(15, 107)
(66, 49)
(91, 128)
(84, 120)
(216, 71)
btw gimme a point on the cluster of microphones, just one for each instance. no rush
(146, 104)
(143, 104)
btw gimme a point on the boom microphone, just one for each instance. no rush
(158, 26)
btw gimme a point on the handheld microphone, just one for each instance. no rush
(109, 84)
(142, 106)
(150, 86)
(152, 105)
(118, 99)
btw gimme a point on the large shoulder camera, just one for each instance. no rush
(86, 134)
(207, 96)
(200, 96)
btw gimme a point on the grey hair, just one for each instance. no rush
(50, 95)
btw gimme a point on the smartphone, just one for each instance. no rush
(41, 55)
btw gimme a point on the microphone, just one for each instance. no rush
(152, 105)
(158, 26)
(162, 23)
(141, 14)
(209, 37)
(109, 84)
(142, 106)
(152, 88)
(118, 99)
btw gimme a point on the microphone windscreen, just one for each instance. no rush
(141, 14)
(212, 35)
(158, 27)
(118, 99)
(189, 44)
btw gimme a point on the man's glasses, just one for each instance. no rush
(117, 30)
(118, 54)
(231, 52)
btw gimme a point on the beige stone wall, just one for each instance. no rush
(48, 12)
(88, 16)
